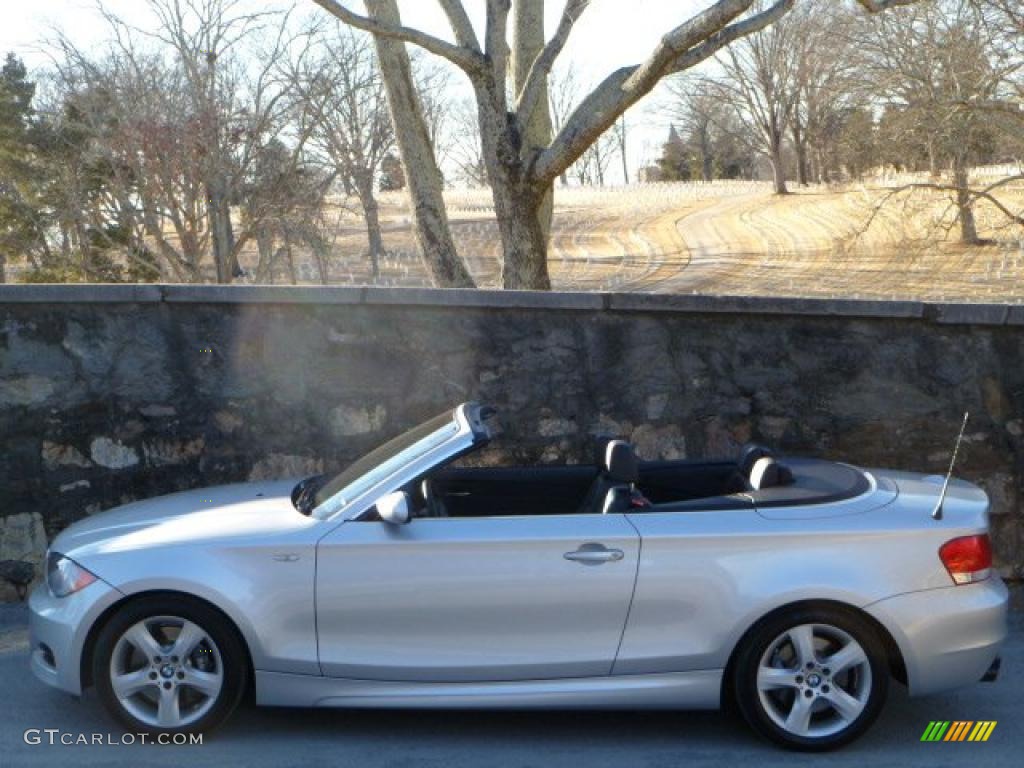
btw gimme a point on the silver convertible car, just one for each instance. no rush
(793, 589)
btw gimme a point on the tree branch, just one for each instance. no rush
(528, 97)
(686, 45)
(471, 62)
(877, 6)
(497, 48)
(460, 24)
(973, 194)
(729, 35)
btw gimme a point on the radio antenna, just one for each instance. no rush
(937, 512)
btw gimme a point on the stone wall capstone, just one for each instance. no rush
(115, 393)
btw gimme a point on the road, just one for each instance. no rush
(281, 738)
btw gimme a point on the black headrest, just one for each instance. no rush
(749, 454)
(620, 462)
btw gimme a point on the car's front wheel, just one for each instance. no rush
(169, 664)
(811, 679)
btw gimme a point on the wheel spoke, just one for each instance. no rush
(168, 712)
(850, 655)
(130, 682)
(143, 640)
(802, 638)
(843, 703)
(189, 637)
(799, 719)
(205, 682)
(769, 678)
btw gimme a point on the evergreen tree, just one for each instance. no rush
(19, 221)
(392, 174)
(676, 160)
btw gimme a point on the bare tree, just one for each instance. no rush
(761, 82)
(826, 95)
(593, 165)
(707, 124)
(937, 66)
(337, 91)
(132, 112)
(620, 131)
(182, 121)
(523, 155)
(564, 93)
(464, 150)
(563, 98)
(422, 173)
(205, 36)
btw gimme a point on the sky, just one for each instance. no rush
(611, 34)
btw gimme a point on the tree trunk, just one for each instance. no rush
(3, 264)
(933, 161)
(527, 227)
(524, 237)
(820, 169)
(778, 166)
(800, 144)
(321, 254)
(422, 175)
(523, 221)
(265, 255)
(371, 212)
(707, 159)
(965, 205)
(222, 234)
(622, 150)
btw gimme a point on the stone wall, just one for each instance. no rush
(113, 393)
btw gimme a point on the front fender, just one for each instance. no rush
(270, 599)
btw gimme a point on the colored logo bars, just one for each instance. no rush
(958, 730)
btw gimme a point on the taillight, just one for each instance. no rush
(968, 558)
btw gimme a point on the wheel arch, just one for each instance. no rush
(89, 646)
(894, 655)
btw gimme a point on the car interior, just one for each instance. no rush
(617, 482)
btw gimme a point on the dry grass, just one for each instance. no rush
(723, 238)
(730, 238)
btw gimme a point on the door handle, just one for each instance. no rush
(594, 556)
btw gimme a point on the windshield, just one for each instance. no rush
(384, 461)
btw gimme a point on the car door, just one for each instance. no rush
(480, 599)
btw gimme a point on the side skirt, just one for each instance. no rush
(673, 690)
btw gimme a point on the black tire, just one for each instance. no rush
(232, 660)
(763, 639)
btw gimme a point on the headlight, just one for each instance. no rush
(64, 575)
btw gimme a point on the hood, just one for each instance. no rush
(239, 511)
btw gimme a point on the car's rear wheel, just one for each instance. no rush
(169, 665)
(811, 679)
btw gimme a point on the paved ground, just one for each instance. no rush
(281, 738)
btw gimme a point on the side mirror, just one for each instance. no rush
(394, 508)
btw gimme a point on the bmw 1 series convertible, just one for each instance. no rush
(793, 589)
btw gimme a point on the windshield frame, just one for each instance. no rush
(455, 435)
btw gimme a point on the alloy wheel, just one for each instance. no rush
(166, 671)
(814, 680)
